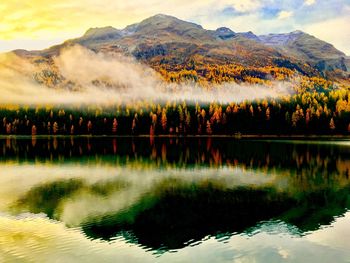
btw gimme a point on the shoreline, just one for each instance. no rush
(237, 137)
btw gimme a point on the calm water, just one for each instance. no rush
(174, 200)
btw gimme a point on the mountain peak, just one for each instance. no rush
(224, 33)
(166, 38)
(281, 38)
(99, 34)
(250, 35)
(224, 30)
(100, 31)
(163, 16)
(160, 18)
(161, 21)
(297, 32)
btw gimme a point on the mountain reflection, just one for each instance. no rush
(175, 212)
(174, 191)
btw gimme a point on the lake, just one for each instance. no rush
(101, 199)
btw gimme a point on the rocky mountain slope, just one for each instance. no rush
(166, 40)
(305, 47)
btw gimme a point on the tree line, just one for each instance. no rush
(302, 113)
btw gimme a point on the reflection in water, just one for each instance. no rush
(163, 195)
(180, 152)
(192, 214)
(189, 213)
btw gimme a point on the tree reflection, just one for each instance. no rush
(299, 158)
(175, 209)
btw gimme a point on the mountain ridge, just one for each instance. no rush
(167, 40)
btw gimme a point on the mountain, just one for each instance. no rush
(305, 47)
(100, 35)
(224, 33)
(168, 41)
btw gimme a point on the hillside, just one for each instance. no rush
(320, 54)
(168, 44)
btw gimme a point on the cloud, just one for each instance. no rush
(110, 79)
(284, 14)
(310, 2)
(246, 6)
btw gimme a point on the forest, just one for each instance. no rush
(317, 106)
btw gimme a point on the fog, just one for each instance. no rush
(99, 78)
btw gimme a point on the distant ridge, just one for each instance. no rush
(169, 40)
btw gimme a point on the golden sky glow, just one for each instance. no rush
(35, 24)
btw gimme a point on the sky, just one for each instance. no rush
(37, 24)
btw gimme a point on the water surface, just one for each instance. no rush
(71, 199)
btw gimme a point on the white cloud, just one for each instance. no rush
(284, 14)
(246, 6)
(310, 2)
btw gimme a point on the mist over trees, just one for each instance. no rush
(305, 113)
